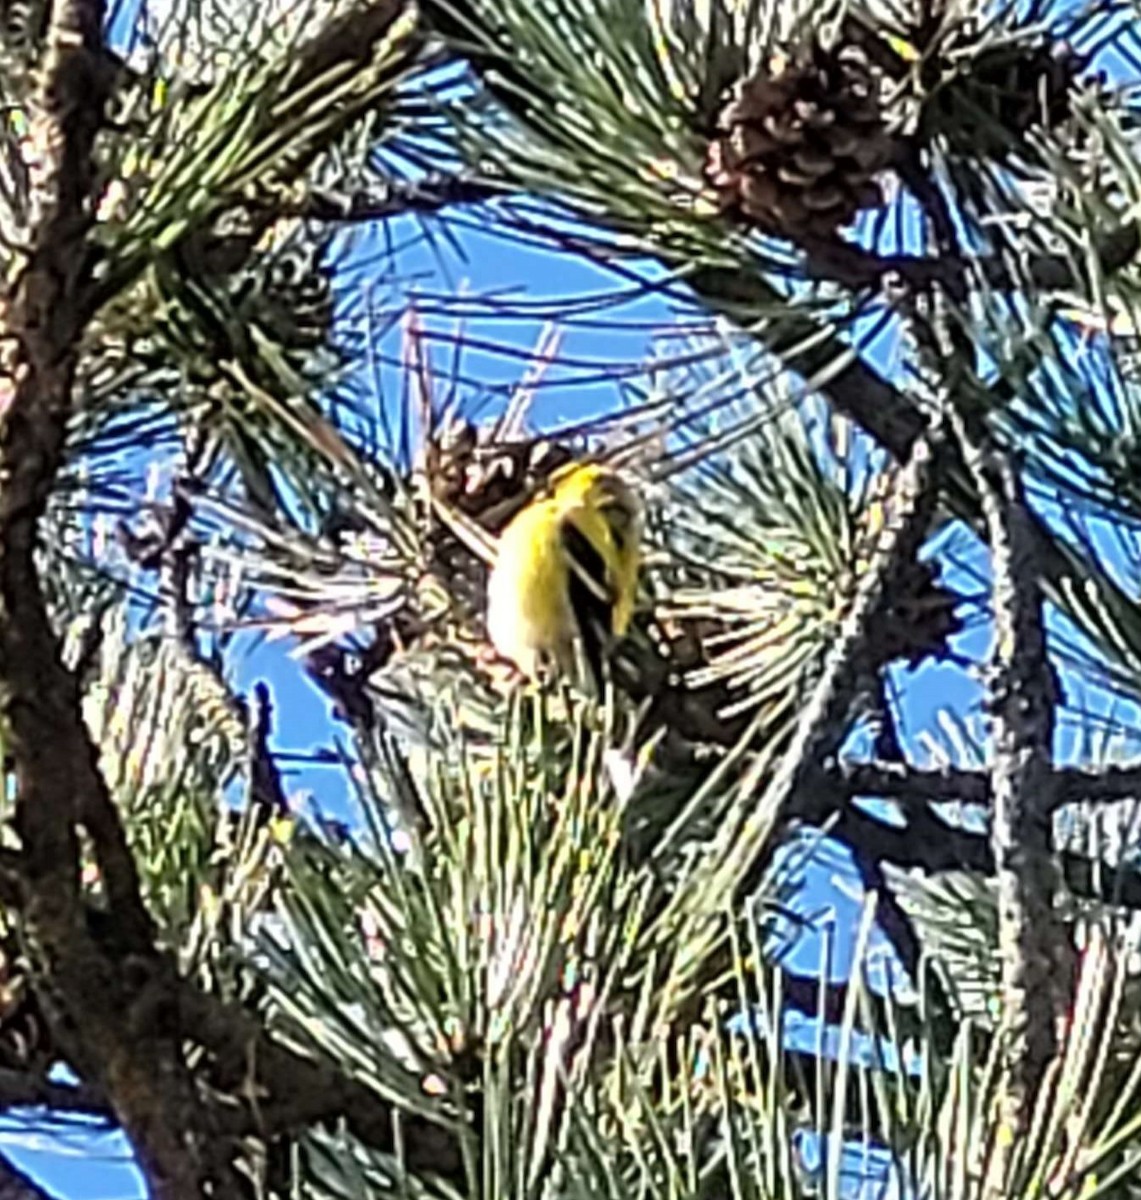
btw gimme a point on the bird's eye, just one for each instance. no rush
(620, 519)
(618, 514)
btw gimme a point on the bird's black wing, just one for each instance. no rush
(591, 596)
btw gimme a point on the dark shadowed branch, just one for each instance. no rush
(19, 1089)
(294, 1091)
(40, 325)
(931, 844)
(1108, 784)
(857, 267)
(396, 198)
(893, 921)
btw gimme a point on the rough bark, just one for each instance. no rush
(1037, 957)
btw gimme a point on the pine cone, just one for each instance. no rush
(487, 479)
(800, 145)
(986, 107)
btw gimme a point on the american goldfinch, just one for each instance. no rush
(566, 572)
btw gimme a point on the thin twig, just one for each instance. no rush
(893, 921)
(267, 793)
(858, 267)
(908, 784)
(18, 1089)
(395, 198)
(1109, 784)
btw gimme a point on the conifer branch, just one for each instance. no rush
(394, 198)
(119, 1003)
(931, 844)
(857, 267)
(349, 40)
(287, 1091)
(825, 719)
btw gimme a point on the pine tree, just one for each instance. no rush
(889, 440)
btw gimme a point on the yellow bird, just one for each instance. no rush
(566, 573)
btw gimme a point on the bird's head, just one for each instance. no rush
(598, 487)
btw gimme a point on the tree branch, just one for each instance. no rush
(394, 198)
(893, 921)
(1101, 785)
(266, 791)
(58, 780)
(911, 785)
(737, 867)
(855, 389)
(40, 325)
(349, 40)
(857, 267)
(288, 1091)
(1037, 958)
(929, 843)
(111, 990)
